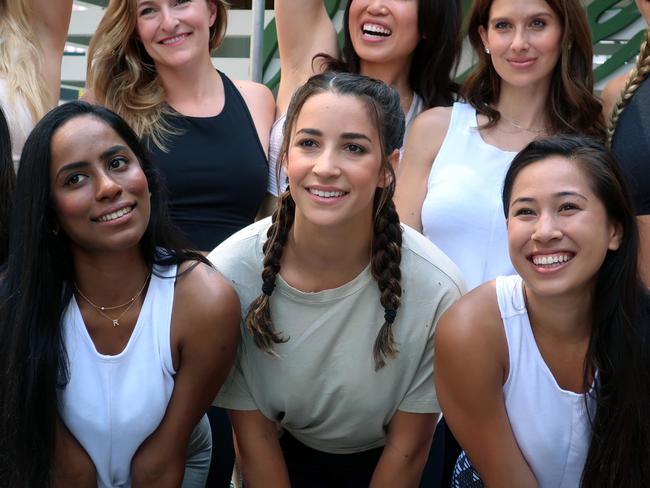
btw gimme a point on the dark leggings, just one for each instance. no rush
(223, 451)
(310, 468)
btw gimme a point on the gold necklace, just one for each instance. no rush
(101, 309)
(521, 127)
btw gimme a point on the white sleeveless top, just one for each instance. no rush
(19, 121)
(113, 403)
(277, 134)
(551, 425)
(462, 212)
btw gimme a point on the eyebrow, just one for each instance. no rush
(108, 153)
(559, 194)
(531, 16)
(345, 135)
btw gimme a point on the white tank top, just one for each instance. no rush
(551, 425)
(113, 403)
(277, 134)
(462, 212)
(19, 121)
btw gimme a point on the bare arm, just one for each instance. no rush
(406, 451)
(205, 332)
(51, 19)
(73, 468)
(258, 451)
(261, 105)
(422, 145)
(643, 221)
(304, 30)
(471, 361)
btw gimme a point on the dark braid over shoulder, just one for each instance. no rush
(385, 266)
(258, 319)
(635, 79)
(386, 113)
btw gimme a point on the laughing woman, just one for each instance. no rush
(339, 305)
(414, 46)
(114, 338)
(543, 376)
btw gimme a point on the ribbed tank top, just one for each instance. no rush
(631, 146)
(551, 425)
(111, 404)
(277, 134)
(462, 212)
(215, 171)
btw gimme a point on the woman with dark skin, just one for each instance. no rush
(101, 295)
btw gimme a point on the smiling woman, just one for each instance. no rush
(117, 317)
(339, 305)
(556, 356)
(413, 45)
(533, 79)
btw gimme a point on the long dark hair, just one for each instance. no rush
(36, 290)
(384, 105)
(619, 347)
(572, 106)
(7, 186)
(435, 58)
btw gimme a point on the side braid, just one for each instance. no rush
(634, 80)
(385, 265)
(258, 318)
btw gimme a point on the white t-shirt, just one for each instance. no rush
(323, 387)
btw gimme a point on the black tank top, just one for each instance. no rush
(631, 146)
(215, 172)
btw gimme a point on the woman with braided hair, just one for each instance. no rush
(339, 304)
(629, 137)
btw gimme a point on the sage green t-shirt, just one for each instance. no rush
(323, 387)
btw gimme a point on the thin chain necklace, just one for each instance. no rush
(101, 309)
(521, 127)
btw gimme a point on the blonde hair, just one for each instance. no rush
(122, 76)
(634, 80)
(21, 59)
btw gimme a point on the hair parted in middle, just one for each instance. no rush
(435, 58)
(36, 289)
(384, 107)
(121, 75)
(619, 346)
(572, 106)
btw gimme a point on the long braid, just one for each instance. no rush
(258, 318)
(385, 265)
(634, 80)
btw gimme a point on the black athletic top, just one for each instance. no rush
(216, 172)
(631, 146)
